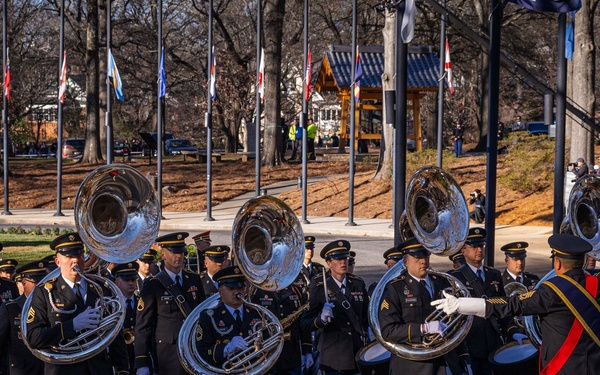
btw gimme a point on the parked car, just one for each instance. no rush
(149, 141)
(176, 146)
(72, 148)
(537, 128)
(119, 148)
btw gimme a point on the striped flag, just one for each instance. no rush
(213, 75)
(307, 77)
(570, 35)
(448, 69)
(556, 6)
(6, 85)
(407, 31)
(114, 73)
(261, 75)
(162, 77)
(358, 72)
(62, 89)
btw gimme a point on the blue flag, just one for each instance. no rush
(162, 77)
(570, 35)
(556, 6)
(114, 73)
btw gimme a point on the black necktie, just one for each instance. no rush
(238, 318)
(78, 292)
(343, 289)
(518, 279)
(424, 283)
(178, 280)
(480, 276)
(129, 304)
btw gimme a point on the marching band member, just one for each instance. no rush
(202, 241)
(457, 260)
(165, 301)
(221, 330)
(310, 268)
(567, 306)
(64, 306)
(126, 276)
(8, 288)
(485, 336)
(21, 361)
(404, 308)
(145, 263)
(7, 268)
(391, 256)
(515, 255)
(340, 314)
(286, 304)
(215, 259)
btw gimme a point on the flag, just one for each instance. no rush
(358, 72)
(114, 73)
(307, 77)
(407, 31)
(448, 68)
(555, 6)
(570, 35)
(7, 77)
(261, 75)
(62, 87)
(162, 77)
(213, 75)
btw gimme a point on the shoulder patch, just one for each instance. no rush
(526, 295)
(30, 315)
(140, 305)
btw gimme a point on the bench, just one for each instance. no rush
(200, 156)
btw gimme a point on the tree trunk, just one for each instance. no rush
(482, 9)
(103, 69)
(92, 144)
(273, 32)
(386, 162)
(583, 82)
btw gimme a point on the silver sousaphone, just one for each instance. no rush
(437, 213)
(118, 217)
(268, 246)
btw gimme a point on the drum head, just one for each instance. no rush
(513, 358)
(373, 359)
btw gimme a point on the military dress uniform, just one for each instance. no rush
(147, 257)
(8, 289)
(129, 271)
(297, 342)
(21, 360)
(517, 250)
(339, 339)
(485, 335)
(8, 267)
(405, 305)
(50, 319)
(528, 279)
(219, 254)
(159, 317)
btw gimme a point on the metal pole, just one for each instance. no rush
(5, 108)
(208, 118)
(352, 122)
(159, 118)
(400, 134)
(440, 119)
(258, 98)
(108, 114)
(61, 49)
(492, 135)
(561, 116)
(304, 119)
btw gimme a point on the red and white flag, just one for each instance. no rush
(6, 85)
(261, 75)
(448, 68)
(307, 77)
(62, 90)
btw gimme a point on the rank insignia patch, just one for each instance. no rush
(30, 315)
(385, 305)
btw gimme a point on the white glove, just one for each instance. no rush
(519, 337)
(434, 327)
(308, 361)
(236, 344)
(88, 319)
(143, 371)
(327, 312)
(466, 306)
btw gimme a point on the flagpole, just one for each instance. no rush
(108, 114)
(258, 98)
(352, 121)
(440, 119)
(59, 131)
(5, 108)
(159, 115)
(304, 119)
(561, 117)
(492, 134)
(208, 118)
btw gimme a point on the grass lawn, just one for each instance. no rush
(26, 248)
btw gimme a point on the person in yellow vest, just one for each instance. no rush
(311, 134)
(292, 136)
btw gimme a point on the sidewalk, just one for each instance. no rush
(225, 213)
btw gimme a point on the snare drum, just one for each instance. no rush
(373, 359)
(513, 358)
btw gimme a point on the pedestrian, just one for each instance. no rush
(294, 130)
(581, 169)
(457, 136)
(518, 125)
(478, 213)
(311, 133)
